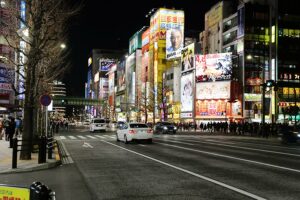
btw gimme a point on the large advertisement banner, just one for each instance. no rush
(210, 108)
(103, 88)
(121, 75)
(213, 67)
(187, 92)
(215, 90)
(187, 58)
(130, 78)
(171, 29)
(106, 64)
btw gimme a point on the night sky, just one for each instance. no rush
(109, 25)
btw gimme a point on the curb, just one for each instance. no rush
(37, 166)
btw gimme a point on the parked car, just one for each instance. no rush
(165, 127)
(98, 124)
(134, 131)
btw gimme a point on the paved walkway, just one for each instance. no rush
(23, 165)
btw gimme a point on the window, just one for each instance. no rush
(138, 126)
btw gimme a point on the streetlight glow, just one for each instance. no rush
(63, 46)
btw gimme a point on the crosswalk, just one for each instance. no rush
(86, 137)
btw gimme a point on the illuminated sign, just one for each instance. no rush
(106, 64)
(187, 58)
(210, 108)
(215, 90)
(14, 193)
(90, 61)
(213, 67)
(96, 77)
(187, 92)
(252, 97)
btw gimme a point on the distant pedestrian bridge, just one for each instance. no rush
(76, 101)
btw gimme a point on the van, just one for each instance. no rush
(98, 124)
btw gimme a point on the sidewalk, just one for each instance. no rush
(24, 165)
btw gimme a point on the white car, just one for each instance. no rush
(134, 131)
(98, 125)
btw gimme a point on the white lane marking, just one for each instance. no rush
(113, 137)
(62, 137)
(100, 136)
(72, 137)
(80, 136)
(105, 135)
(142, 145)
(176, 142)
(231, 157)
(247, 148)
(67, 159)
(87, 145)
(91, 136)
(220, 142)
(243, 192)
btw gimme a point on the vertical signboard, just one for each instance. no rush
(130, 78)
(187, 92)
(187, 58)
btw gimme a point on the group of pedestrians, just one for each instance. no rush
(56, 125)
(234, 128)
(10, 128)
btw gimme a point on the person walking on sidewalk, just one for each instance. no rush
(11, 131)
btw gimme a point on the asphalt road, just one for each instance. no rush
(173, 167)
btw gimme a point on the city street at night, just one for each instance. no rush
(180, 166)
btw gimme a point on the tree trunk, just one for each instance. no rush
(27, 135)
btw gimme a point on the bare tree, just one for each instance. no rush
(42, 33)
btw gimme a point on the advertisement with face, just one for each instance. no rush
(216, 90)
(213, 67)
(187, 58)
(174, 42)
(187, 93)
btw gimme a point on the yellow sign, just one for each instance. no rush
(13, 193)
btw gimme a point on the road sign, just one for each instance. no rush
(45, 100)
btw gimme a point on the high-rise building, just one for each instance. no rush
(58, 88)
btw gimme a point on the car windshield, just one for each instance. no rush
(99, 121)
(138, 126)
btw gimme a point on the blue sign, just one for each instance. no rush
(45, 100)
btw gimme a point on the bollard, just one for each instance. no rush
(15, 153)
(50, 147)
(42, 150)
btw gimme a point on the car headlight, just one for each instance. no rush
(165, 128)
(175, 128)
(298, 135)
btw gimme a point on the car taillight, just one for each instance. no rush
(132, 131)
(150, 131)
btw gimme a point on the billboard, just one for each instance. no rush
(187, 58)
(135, 42)
(211, 108)
(174, 42)
(130, 78)
(121, 75)
(187, 92)
(213, 67)
(215, 90)
(106, 64)
(103, 88)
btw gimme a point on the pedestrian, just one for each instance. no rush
(11, 131)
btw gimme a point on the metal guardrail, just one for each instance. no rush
(44, 144)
